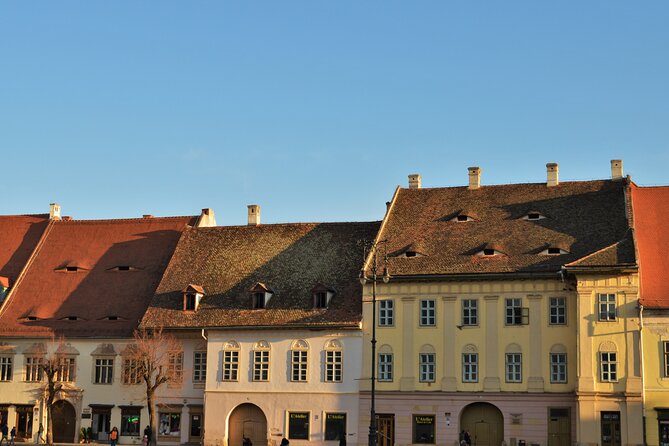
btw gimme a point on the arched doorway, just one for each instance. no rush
(247, 420)
(64, 422)
(485, 424)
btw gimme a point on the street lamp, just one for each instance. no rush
(373, 269)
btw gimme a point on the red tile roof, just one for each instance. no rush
(96, 289)
(584, 218)
(19, 235)
(651, 227)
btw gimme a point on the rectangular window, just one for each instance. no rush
(199, 367)
(515, 313)
(66, 369)
(609, 366)
(335, 426)
(176, 366)
(333, 366)
(258, 300)
(558, 367)
(169, 424)
(514, 367)
(606, 307)
(6, 368)
(666, 359)
(298, 425)
(427, 312)
(423, 429)
(131, 371)
(230, 365)
(130, 421)
(470, 313)
(299, 365)
(385, 366)
(261, 365)
(34, 368)
(321, 300)
(427, 367)
(386, 313)
(470, 367)
(104, 370)
(558, 310)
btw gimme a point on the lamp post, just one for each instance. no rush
(373, 269)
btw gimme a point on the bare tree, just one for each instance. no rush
(157, 358)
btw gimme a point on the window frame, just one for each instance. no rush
(67, 369)
(608, 366)
(292, 435)
(470, 367)
(513, 367)
(127, 412)
(103, 370)
(415, 430)
(385, 367)
(557, 310)
(428, 313)
(470, 312)
(665, 350)
(299, 366)
(6, 368)
(175, 362)
(334, 366)
(230, 372)
(558, 368)
(261, 363)
(607, 310)
(132, 372)
(199, 367)
(333, 422)
(427, 367)
(514, 312)
(33, 368)
(387, 314)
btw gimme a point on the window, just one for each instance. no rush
(230, 365)
(261, 365)
(609, 366)
(131, 371)
(298, 425)
(558, 367)
(6, 368)
(130, 421)
(258, 300)
(333, 366)
(34, 368)
(470, 312)
(427, 312)
(321, 299)
(385, 367)
(427, 366)
(189, 302)
(515, 313)
(558, 310)
(514, 367)
(335, 426)
(607, 307)
(299, 365)
(104, 370)
(386, 313)
(470, 367)
(176, 366)
(169, 424)
(423, 429)
(666, 358)
(66, 369)
(199, 367)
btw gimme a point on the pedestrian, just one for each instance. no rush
(247, 441)
(342, 439)
(12, 435)
(147, 435)
(284, 441)
(113, 436)
(3, 429)
(461, 439)
(468, 439)
(40, 431)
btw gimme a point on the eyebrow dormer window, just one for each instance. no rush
(69, 269)
(534, 215)
(462, 218)
(553, 251)
(489, 252)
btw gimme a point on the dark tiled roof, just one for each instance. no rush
(581, 217)
(19, 235)
(651, 218)
(289, 259)
(97, 290)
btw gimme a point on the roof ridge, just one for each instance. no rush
(329, 223)
(25, 215)
(126, 220)
(483, 186)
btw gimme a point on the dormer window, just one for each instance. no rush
(70, 269)
(489, 252)
(123, 268)
(260, 295)
(70, 318)
(322, 296)
(32, 318)
(460, 218)
(534, 215)
(192, 296)
(553, 251)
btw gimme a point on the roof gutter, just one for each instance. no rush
(631, 268)
(477, 276)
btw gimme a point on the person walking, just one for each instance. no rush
(3, 430)
(284, 441)
(40, 432)
(12, 435)
(113, 436)
(147, 435)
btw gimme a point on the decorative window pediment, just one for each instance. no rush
(104, 350)
(231, 345)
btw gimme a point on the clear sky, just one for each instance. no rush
(316, 110)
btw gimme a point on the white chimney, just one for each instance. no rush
(207, 219)
(552, 174)
(54, 211)
(474, 177)
(254, 214)
(616, 169)
(414, 181)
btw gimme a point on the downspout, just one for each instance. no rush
(643, 377)
(204, 336)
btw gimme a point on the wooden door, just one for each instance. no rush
(247, 420)
(484, 422)
(611, 429)
(481, 434)
(64, 422)
(385, 424)
(559, 427)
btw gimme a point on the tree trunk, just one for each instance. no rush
(152, 417)
(49, 422)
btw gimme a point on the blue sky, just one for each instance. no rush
(316, 110)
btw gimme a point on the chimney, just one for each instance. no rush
(147, 216)
(552, 174)
(254, 214)
(54, 211)
(474, 177)
(616, 169)
(414, 181)
(206, 219)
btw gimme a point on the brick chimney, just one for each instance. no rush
(54, 211)
(552, 174)
(474, 177)
(414, 181)
(616, 169)
(254, 214)
(207, 219)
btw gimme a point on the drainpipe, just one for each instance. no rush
(643, 377)
(204, 336)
